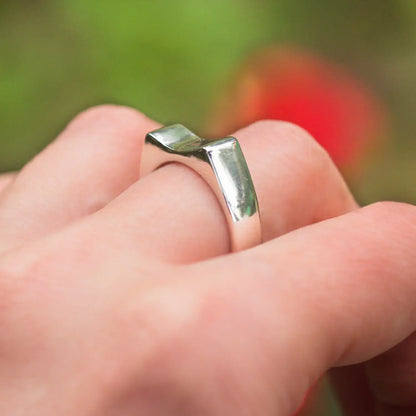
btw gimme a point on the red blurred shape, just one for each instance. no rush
(339, 111)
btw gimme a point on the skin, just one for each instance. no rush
(118, 296)
(6, 179)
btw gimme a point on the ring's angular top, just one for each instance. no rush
(222, 165)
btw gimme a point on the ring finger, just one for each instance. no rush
(173, 215)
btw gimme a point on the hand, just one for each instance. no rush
(118, 297)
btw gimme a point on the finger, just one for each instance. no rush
(336, 293)
(91, 162)
(5, 180)
(180, 220)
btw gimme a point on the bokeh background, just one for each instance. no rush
(343, 69)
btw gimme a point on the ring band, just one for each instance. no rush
(222, 165)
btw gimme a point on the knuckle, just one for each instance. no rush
(23, 275)
(287, 130)
(99, 112)
(183, 337)
(174, 328)
(387, 208)
(296, 145)
(160, 328)
(306, 146)
(164, 314)
(313, 161)
(387, 234)
(12, 274)
(109, 116)
(400, 215)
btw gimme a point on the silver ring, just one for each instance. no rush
(222, 165)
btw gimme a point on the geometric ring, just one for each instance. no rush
(222, 165)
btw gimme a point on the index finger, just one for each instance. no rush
(335, 293)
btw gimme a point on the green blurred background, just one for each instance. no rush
(172, 59)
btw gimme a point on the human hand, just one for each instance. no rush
(118, 297)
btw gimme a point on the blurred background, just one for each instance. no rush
(343, 69)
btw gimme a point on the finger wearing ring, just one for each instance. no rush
(222, 165)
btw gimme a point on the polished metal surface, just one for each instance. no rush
(222, 165)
